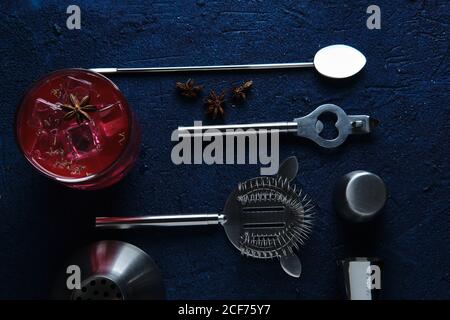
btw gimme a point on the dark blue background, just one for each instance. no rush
(405, 84)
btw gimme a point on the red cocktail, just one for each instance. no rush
(76, 127)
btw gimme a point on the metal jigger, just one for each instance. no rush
(111, 270)
(359, 196)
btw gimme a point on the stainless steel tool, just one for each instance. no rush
(336, 61)
(264, 217)
(359, 196)
(111, 270)
(309, 127)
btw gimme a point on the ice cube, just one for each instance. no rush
(111, 118)
(78, 87)
(73, 82)
(48, 146)
(83, 140)
(45, 115)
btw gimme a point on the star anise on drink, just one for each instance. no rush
(214, 104)
(240, 92)
(78, 109)
(188, 89)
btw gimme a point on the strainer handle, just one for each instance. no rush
(159, 221)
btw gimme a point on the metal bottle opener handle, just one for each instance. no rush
(308, 127)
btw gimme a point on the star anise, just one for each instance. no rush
(240, 92)
(188, 89)
(214, 104)
(78, 109)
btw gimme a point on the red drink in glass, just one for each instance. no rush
(76, 127)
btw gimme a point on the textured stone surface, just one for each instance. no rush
(405, 85)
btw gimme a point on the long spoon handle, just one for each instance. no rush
(159, 221)
(207, 68)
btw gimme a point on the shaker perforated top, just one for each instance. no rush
(73, 124)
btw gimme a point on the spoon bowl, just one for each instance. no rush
(339, 61)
